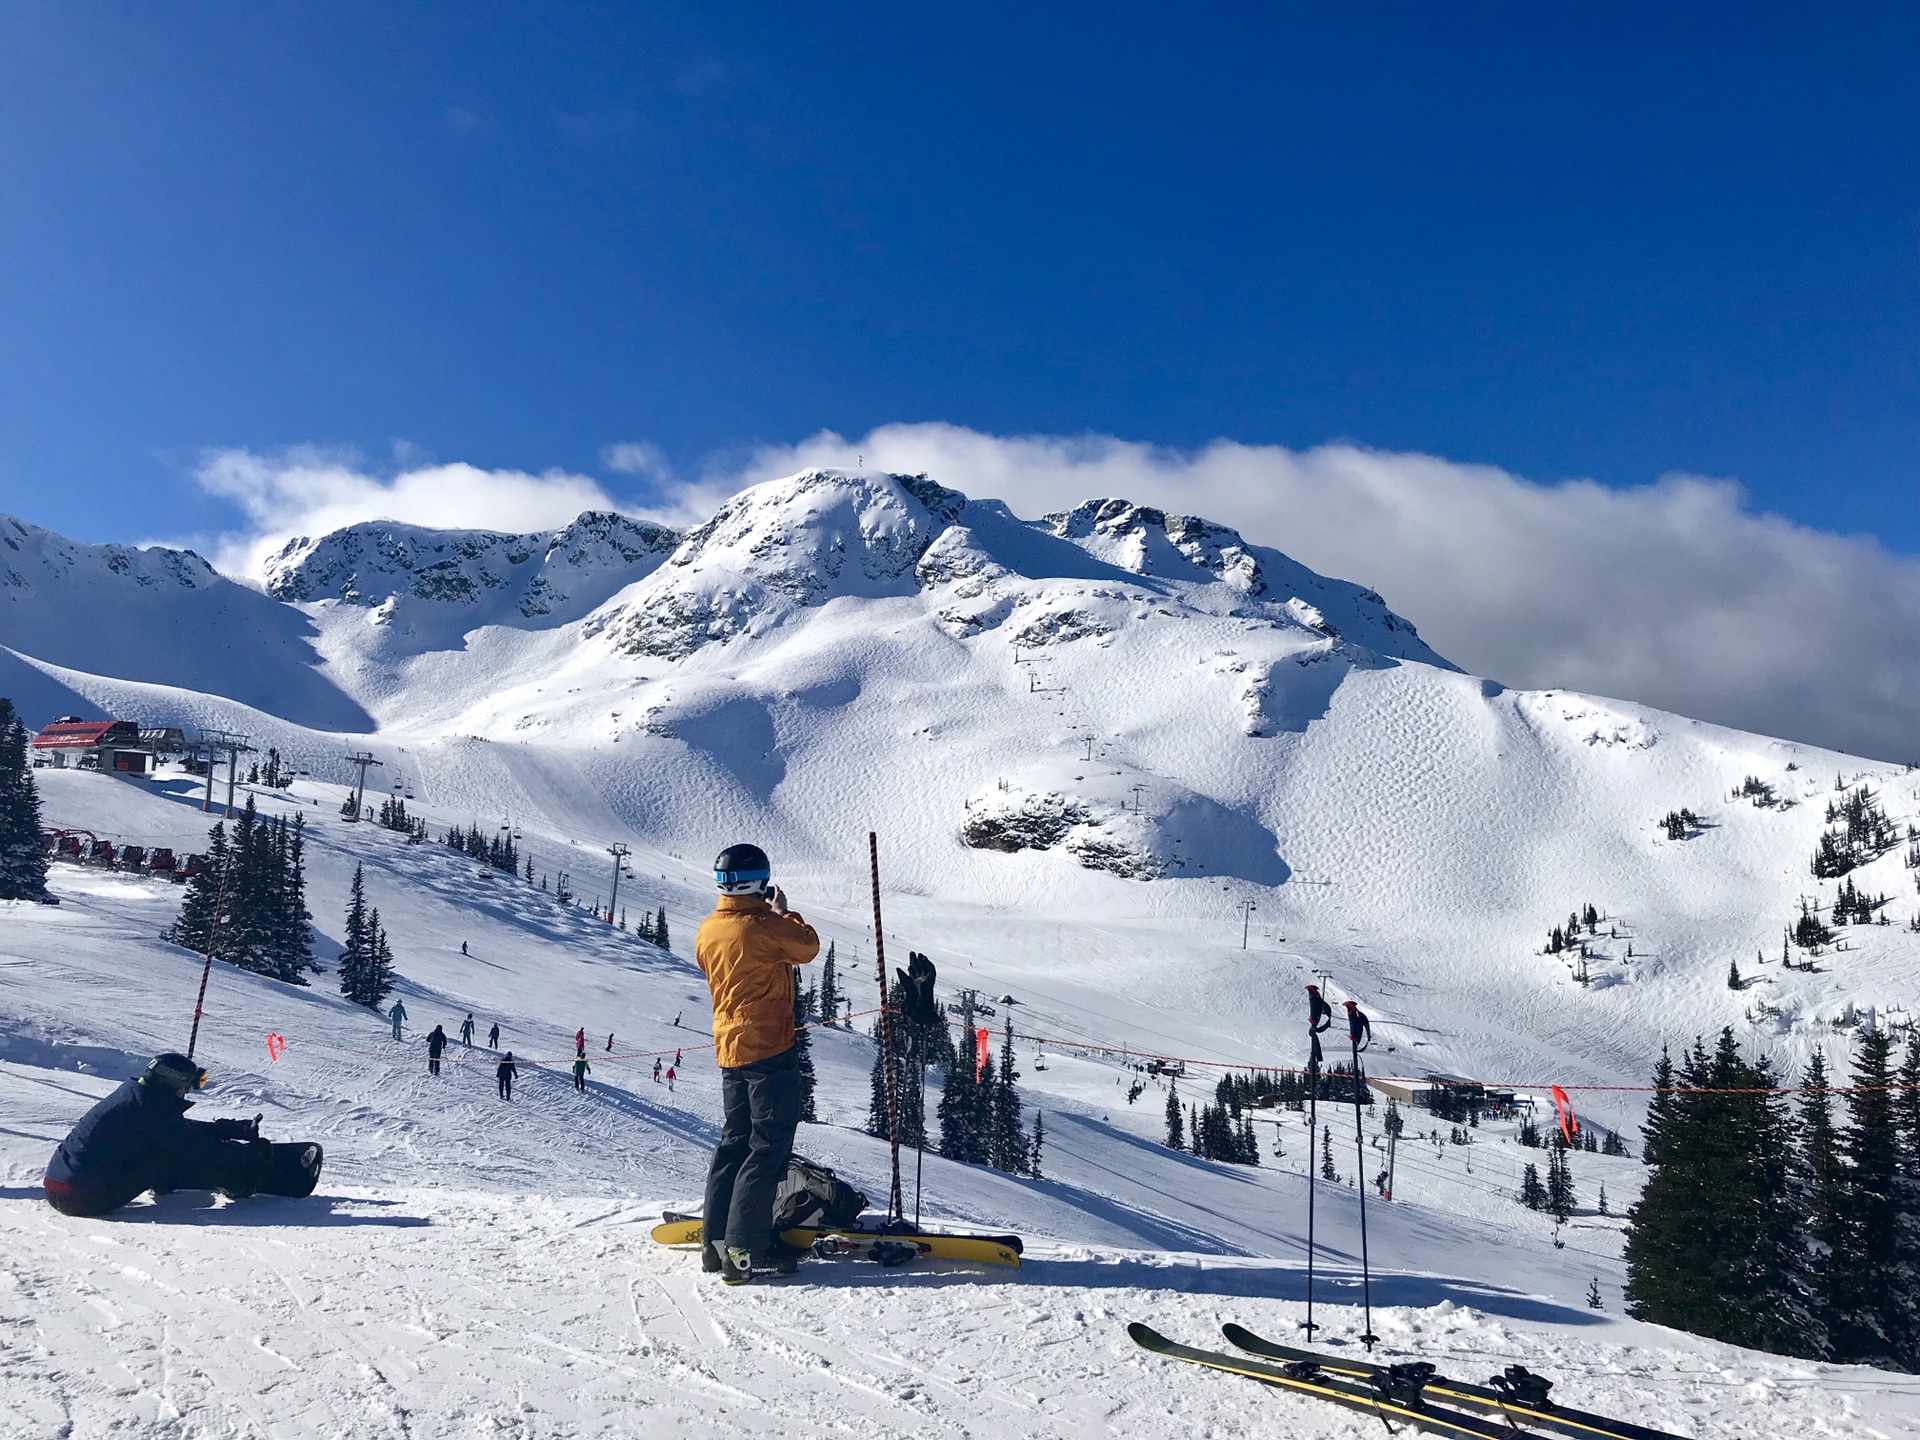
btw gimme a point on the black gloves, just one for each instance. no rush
(238, 1129)
(917, 981)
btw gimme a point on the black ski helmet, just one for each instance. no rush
(742, 870)
(175, 1073)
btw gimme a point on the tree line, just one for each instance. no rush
(249, 905)
(1786, 1225)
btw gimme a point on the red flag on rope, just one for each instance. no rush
(276, 1045)
(982, 1053)
(1563, 1108)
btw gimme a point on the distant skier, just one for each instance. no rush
(580, 1069)
(463, 947)
(504, 1073)
(676, 1020)
(466, 1031)
(609, 1042)
(748, 949)
(493, 1036)
(676, 1059)
(656, 1072)
(580, 1041)
(436, 1042)
(397, 1014)
(670, 1074)
(139, 1138)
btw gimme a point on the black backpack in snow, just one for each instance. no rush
(813, 1195)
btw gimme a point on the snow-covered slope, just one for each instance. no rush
(469, 1265)
(1099, 749)
(156, 615)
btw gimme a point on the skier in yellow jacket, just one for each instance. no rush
(748, 949)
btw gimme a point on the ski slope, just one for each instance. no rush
(474, 1266)
(1173, 722)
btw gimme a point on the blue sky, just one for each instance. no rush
(1573, 240)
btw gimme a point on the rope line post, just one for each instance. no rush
(897, 1202)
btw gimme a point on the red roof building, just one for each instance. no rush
(91, 745)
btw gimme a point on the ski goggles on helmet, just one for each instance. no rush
(741, 882)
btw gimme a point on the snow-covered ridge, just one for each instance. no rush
(826, 535)
(492, 574)
(154, 615)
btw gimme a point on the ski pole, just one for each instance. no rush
(898, 1207)
(1319, 1017)
(1357, 1026)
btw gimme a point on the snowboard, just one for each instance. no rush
(286, 1167)
(982, 1249)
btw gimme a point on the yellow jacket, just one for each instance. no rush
(748, 954)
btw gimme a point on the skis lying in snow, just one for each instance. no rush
(1518, 1395)
(1307, 1378)
(885, 1245)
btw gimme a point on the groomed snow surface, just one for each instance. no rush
(473, 1267)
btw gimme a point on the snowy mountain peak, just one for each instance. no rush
(796, 542)
(489, 575)
(35, 559)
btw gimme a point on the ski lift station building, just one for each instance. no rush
(76, 744)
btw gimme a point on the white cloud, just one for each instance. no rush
(1676, 594)
(308, 491)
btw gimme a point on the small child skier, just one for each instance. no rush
(580, 1069)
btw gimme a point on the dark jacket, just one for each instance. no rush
(131, 1141)
(506, 1070)
(436, 1042)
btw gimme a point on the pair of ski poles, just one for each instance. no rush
(1359, 1037)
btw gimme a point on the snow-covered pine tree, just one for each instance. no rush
(23, 858)
(1327, 1172)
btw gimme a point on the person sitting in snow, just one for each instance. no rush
(139, 1138)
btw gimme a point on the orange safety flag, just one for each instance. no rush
(982, 1053)
(1563, 1107)
(276, 1045)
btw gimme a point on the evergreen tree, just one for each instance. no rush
(1007, 1135)
(1875, 1316)
(23, 856)
(803, 1053)
(1734, 981)
(1037, 1144)
(1593, 1293)
(1176, 1118)
(1714, 1243)
(1822, 1180)
(1327, 1172)
(660, 929)
(1560, 1192)
(829, 988)
(379, 973)
(1533, 1194)
(356, 944)
(198, 923)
